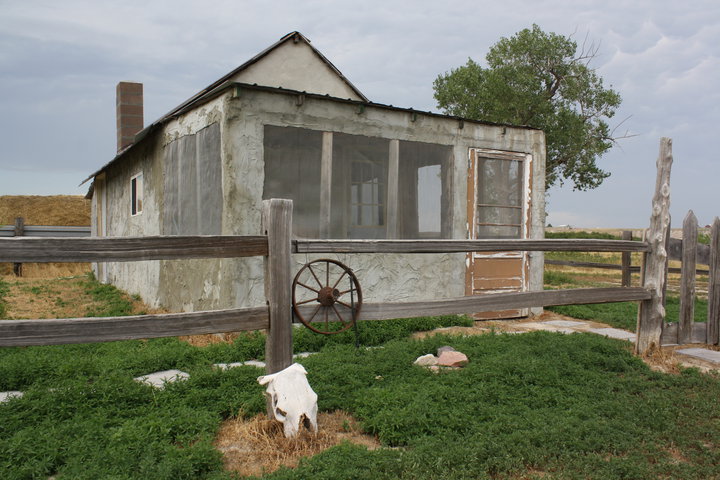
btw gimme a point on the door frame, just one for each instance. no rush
(472, 216)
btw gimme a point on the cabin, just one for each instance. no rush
(288, 124)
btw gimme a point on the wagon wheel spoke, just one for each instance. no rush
(314, 313)
(306, 301)
(337, 314)
(313, 274)
(309, 287)
(341, 277)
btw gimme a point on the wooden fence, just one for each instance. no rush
(19, 229)
(276, 246)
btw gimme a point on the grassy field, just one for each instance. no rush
(534, 406)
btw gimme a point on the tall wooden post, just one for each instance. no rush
(687, 278)
(277, 225)
(713, 320)
(626, 261)
(651, 313)
(19, 232)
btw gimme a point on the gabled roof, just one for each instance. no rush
(221, 83)
(294, 37)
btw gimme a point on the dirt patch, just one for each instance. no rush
(209, 339)
(65, 297)
(258, 446)
(59, 210)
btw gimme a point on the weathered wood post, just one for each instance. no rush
(687, 278)
(651, 313)
(277, 225)
(626, 261)
(713, 320)
(19, 232)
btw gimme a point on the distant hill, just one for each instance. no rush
(61, 210)
(66, 210)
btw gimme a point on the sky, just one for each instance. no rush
(60, 63)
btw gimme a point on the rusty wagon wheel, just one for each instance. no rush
(326, 296)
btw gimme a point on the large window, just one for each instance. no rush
(192, 174)
(500, 197)
(292, 170)
(359, 186)
(356, 186)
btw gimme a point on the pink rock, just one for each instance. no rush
(452, 359)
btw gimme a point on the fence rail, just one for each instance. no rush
(128, 249)
(276, 245)
(46, 231)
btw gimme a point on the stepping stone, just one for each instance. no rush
(565, 323)
(614, 333)
(254, 363)
(249, 363)
(303, 354)
(159, 379)
(701, 353)
(7, 396)
(537, 326)
(446, 348)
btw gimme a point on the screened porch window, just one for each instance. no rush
(356, 186)
(367, 194)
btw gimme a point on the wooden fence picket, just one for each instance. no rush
(651, 314)
(713, 321)
(687, 278)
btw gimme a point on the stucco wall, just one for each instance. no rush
(242, 114)
(134, 277)
(296, 66)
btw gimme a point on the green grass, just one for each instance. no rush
(572, 406)
(112, 301)
(4, 289)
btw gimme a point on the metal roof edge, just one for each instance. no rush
(220, 89)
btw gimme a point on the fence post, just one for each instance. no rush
(713, 320)
(277, 225)
(687, 278)
(19, 232)
(626, 261)
(651, 313)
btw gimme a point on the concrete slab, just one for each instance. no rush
(566, 323)
(701, 353)
(7, 396)
(159, 379)
(614, 333)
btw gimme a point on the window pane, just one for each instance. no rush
(292, 171)
(500, 182)
(423, 205)
(500, 215)
(359, 186)
(499, 198)
(488, 231)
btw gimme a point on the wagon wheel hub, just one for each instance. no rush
(327, 296)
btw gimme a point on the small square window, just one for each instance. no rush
(136, 194)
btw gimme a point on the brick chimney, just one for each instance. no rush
(129, 111)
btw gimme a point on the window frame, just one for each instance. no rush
(136, 194)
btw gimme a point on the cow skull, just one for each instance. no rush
(291, 398)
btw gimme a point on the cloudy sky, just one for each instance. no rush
(60, 62)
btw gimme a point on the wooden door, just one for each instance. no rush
(498, 207)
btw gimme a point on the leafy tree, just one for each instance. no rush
(540, 80)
